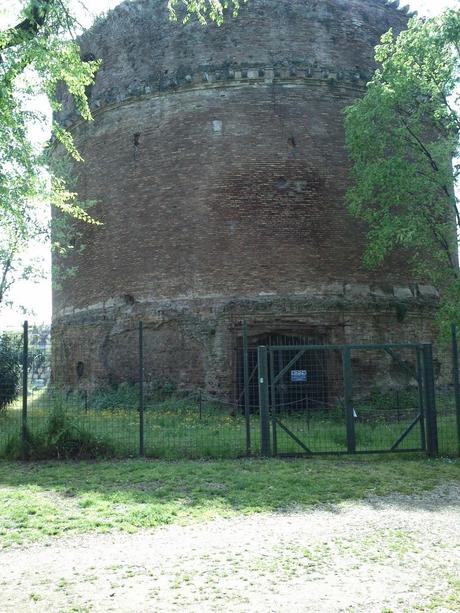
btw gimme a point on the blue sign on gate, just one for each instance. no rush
(298, 376)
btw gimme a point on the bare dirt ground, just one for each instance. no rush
(398, 553)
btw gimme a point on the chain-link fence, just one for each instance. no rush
(311, 399)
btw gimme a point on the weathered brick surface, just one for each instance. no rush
(217, 160)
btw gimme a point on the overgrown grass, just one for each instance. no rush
(178, 428)
(57, 498)
(61, 438)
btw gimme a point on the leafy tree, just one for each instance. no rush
(403, 140)
(36, 54)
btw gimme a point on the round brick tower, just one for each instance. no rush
(217, 162)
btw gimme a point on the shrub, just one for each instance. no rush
(126, 395)
(62, 439)
(123, 396)
(10, 370)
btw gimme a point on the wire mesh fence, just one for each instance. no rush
(307, 409)
(347, 399)
(448, 406)
(320, 399)
(179, 425)
(447, 422)
(388, 399)
(189, 425)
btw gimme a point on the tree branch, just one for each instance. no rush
(30, 26)
(442, 241)
(4, 286)
(422, 147)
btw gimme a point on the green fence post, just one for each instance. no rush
(419, 357)
(348, 392)
(430, 401)
(141, 388)
(272, 399)
(247, 414)
(25, 366)
(456, 381)
(263, 401)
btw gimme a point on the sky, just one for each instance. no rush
(36, 297)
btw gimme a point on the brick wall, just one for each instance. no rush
(217, 161)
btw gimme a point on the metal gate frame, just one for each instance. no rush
(427, 416)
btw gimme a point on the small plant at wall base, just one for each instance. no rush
(402, 137)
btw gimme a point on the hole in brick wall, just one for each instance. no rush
(217, 125)
(401, 311)
(88, 57)
(322, 369)
(136, 139)
(282, 183)
(129, 299)
(80, 369)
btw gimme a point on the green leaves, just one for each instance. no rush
(401, 137)
(204, 10)
(37, 55)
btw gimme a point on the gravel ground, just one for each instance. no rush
(398, 553)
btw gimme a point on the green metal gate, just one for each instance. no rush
(323, 399)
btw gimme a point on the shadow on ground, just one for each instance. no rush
(53, 498)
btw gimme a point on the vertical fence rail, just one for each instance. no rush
(247, 413)
(25, 363)
(348, 393)
(263, 402)
(141, 389)
(430, 400)
(456, 382)
(273, 403)
(421, 400)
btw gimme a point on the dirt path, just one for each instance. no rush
(383, 554)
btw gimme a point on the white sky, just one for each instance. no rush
(36, 297)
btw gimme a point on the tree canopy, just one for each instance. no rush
(403, 140)
(35, 55)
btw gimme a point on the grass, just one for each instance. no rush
(447, 600)
(39, 500)
(181, 428)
